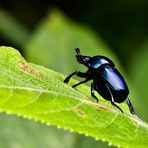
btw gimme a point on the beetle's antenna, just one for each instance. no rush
(77, 51)
(79, 57)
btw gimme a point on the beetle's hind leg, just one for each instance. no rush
(130, 106)
(92, 92)
(112, 99)
(77, 73)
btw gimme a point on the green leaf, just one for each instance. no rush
(35, 92)
(54, 40)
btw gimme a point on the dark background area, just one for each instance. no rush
(122, 24)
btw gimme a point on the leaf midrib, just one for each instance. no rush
(83, 101)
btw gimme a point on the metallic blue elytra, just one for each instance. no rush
(113, 77)
(107, 80)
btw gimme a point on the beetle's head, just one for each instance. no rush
(93, 62)
(82, 59)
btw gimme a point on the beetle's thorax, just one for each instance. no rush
(94, 62)
(97, 61)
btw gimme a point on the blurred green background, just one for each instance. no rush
(46, 32)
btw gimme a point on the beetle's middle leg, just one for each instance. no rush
(112, 99)
(92, 92)
(84, 81)
(77, 73)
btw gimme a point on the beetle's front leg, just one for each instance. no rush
(77, 73)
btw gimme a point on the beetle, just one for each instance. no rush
(106, 79)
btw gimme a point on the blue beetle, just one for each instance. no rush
(107, 80)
